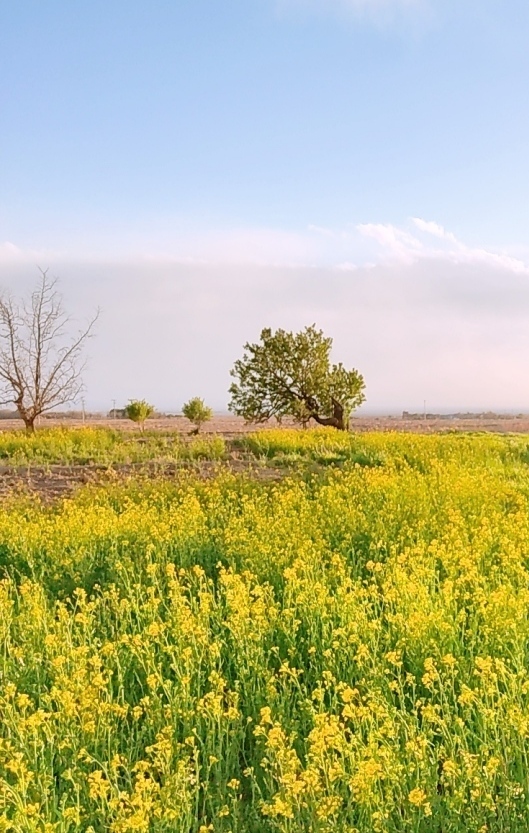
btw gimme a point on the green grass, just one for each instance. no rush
(103, 446)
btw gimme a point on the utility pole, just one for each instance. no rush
(113, 409)
(83, 411)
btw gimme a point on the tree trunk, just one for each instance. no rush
(27, 417)
(331, 422)
(337, 420)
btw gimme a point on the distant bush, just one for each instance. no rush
(138, 410)
(197, 412)
(117, 413)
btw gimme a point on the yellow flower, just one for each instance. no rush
(98, 785)
(266, 715)
(394, 658)
(467, 696)
(449, 660)
(23, 701)
(417, 797)
(450, 768)
(348, 694)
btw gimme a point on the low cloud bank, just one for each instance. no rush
(418, 312)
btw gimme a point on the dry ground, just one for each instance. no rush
(52, 482)
(231, 426)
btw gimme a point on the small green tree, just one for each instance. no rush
(290, 374)
(197, 412)
(138, 410)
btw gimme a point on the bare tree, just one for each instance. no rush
(40, 363)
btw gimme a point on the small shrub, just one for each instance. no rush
(138, 410)
(197, 412)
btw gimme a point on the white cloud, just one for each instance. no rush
(403, 246)
(257, 246)
(251, 245)
(11, 253)
(435, 229)
(8, 251)
(317, 246)
(430, 319)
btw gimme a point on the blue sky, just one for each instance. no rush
(234, 146)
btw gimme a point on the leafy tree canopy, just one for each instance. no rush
(197, 412)
(290, 374)
(138, 410)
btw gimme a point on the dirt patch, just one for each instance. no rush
(230, 426)
(53, 482)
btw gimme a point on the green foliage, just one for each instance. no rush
(290, 374)
(345, 653)
(197, 412)
(282, 446)
(103, 446)
(210, 448)
(138, 410)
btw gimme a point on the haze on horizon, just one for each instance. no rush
(200, 171)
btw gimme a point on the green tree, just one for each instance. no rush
(138, 410)
(197, 412)
(290, 374)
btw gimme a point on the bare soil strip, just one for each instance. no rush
(231, 426)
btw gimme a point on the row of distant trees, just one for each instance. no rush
(284, 374)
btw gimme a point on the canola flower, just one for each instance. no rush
(339, 651)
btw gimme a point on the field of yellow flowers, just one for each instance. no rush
(104, 446)
(343, 650)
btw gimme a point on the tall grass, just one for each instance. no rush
(103, 446)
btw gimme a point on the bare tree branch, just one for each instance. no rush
(40, 365)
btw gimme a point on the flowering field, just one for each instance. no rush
(344, 650)
(103, 446)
